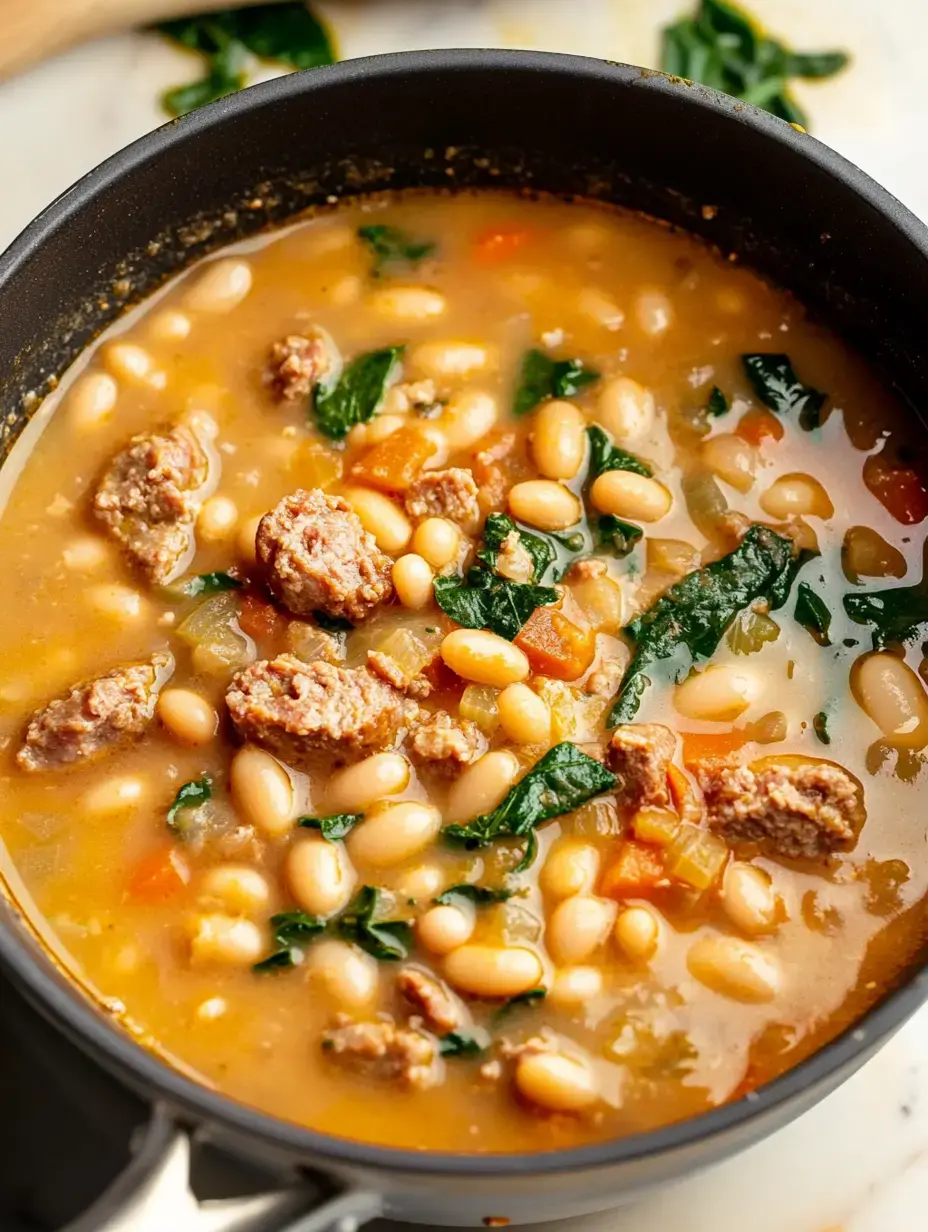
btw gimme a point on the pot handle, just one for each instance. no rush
(153, 1194)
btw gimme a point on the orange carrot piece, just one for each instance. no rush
(259, 618)
(686, 798)
(555, 646)
(699, 746)
(898, 489)
(394, 464)
(757, 426)
(498, 244)
(159, 876)
(636, 870)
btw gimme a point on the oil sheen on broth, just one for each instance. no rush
(703, 908)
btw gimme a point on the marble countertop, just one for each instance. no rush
(859, 1161)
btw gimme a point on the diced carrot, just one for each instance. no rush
(636, 870)
(159, 876)
(700, 746)
(685, 795)
(759, 425)
(500, 243)
(394, 464)
(898, 489)
(259, 618)
(555, 646)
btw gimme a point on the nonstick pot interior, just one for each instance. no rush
(745, 181)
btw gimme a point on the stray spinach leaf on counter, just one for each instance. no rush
(480, 896)
(693, 615)
(615, 536)
(284, 33)
(539, 547)
(388, 940)
(483, 601)
(532, 997)
(292, 931)
(720, 47)
(392, 246)
(560, 782)
(332, 828)
(898, 615)
(541, 378)
(190, 796)
(813, 614)
(820, 727)
(456, 1044)
(209, 584)
(717, 404)
(779, 388)
(358, 392)
(604, 456)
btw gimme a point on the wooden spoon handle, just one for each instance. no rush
(36, 29)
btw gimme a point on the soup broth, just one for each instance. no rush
(440, 699)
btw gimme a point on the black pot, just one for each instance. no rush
(745, 181)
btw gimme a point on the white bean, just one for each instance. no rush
(576, 986)
(116, 602)
(407, 303)
(444, 928)
(558, 439)
(718, 694)
(221, 286)
(357, 787)
(320, 876)
(134, 365)
(437, 541)
(114, 795)
(348, 975)
(394, 834)
(381, 517)
(217, 519)
(625, 408)
(187, 716)
(735, 968)
(544, 503)
(469, 416)
(484, 657)
(556, 1082)
(893, 696)
(492, 971)
(441, 360)
(92, 400)
(169, 325)
(86, 555)
(570, 868)
(578, 927)
(224, 939)
(524, 716)
(627, 495)
(748, 898)
(732, 459)
(237, 887)
(637, 932)
(412, 580)
(653, 312)
(262, 789)
(793, 496)
(482, 786)
(423, 882)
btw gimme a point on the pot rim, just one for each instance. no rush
(71, 1007)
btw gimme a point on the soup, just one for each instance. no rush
(466, 689)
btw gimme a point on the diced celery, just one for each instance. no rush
(596, 819)
(212, 629)
(751, 631)
(696, 857)
(406, 650)
(310, 643)
(654, 825)
(478, 703)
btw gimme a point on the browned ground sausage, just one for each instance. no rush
(385, 1051)
(96, 716)
(319, 558)
(443, 743)
(448, 494)
(640, 754)
(295, 364)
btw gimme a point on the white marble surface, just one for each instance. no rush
(859, 1161)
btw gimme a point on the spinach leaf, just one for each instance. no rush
(457, 1044)
(498, 526)
(392, 246)
(604, 456)
(898, 615)
(280, 960)
(292, 930)
(388, 940)
(783, 585)
(717, 404)
(560, 782)
(482, 601)
(694, 614)
(480, 896)
(720, 47)
(532, 997)
(190, 796)
(613, 535)
(209, 584)
(813, 614)
(285, 33)
(820, 727)
(529, 852)
(778, 386)
(542, 377)
(332, 624)
(358, 392)
(332, 828)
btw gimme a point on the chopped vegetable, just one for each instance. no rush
(285, 33)
(560, 782)
(812, 613)
(542, 377)
(213, 625)
(899, 489)
(500, 243)
(720, 47)
(457, 1044)
(717, 403)
(613, 535)
(478, 703)
(208, 584)
(159, 876)
(655, 825)
(529, 852)
(539, 546)
(393, 246)
(779, 388)
(555, 646)
(295, 927)
(751, 631)
(190, 796)
(690, 619)
(387, 940)
(332, 624)
(702, 746)
(820, 727)
(394, 464)
(605, 456)
(759, 425)
(357, 393)
(480, 896)
(696, 857)
(482, 601)
(259, 618)
(522, 999)
(637, 869)
(332, 828)
(898, 615)
(279, 960)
